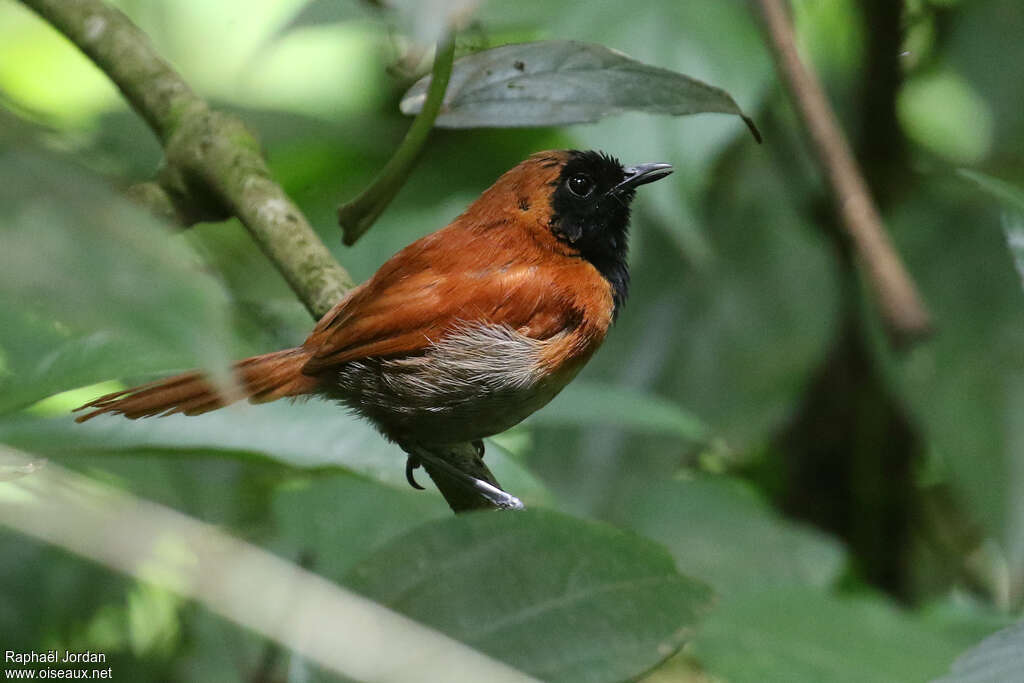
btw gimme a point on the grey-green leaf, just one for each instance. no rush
(559, 82)
(556, 597)
(997, 659)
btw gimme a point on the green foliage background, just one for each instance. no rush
(856, 511)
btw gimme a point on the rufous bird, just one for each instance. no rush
(465, 332)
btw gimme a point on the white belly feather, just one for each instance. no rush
(477, 381)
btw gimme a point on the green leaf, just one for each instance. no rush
(798, 635)
(561, 599)
(94, 288)
(997, 659)
(559, 82)
(598, 403)
(730, 538)
(312, 434)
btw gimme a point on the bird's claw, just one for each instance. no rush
(411, 463)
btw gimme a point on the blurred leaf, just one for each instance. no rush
(944, 113)
(313, 434)
(556, 597)
(721, 532)
(798, 635)
(425, 20)
(429, 20)
(997, 659)
(559, 82)
(320, 12)
(584, 403)
(338, 521)
(94, 288)
(965, 387)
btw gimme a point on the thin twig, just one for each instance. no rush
(214, 168)
(905, 315)
(358, 215)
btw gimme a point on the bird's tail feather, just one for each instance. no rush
(260, 379)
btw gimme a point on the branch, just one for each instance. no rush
(358, 215)
(214, 170)
(905, 316)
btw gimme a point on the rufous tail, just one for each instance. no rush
(260, 379)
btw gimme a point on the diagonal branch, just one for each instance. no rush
(214, 170)
(905, 315)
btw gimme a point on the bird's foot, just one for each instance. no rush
(489, 492)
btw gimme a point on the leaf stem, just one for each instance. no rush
(358, 215)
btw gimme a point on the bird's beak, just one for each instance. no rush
(641, 174)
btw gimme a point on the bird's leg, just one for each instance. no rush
(489, 492)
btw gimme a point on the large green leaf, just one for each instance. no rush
(558, 598)
(803, 636)
(94, 288)
(997, 659)
(559, 82)
(311, 434)
(721, 532)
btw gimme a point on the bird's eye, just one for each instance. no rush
(581, 184)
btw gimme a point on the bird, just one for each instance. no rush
(466, 331)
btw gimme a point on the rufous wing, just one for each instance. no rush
(429, 290)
